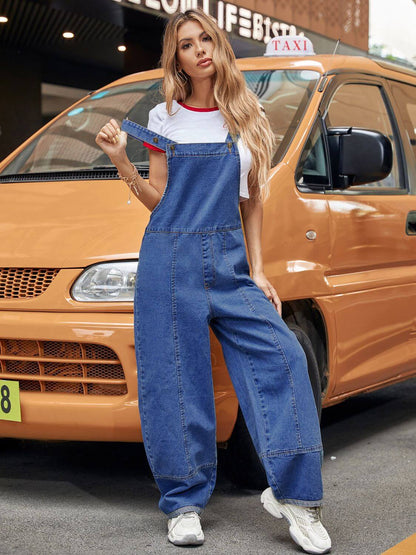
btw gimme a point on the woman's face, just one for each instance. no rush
(195, 46)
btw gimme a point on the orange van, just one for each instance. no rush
(339, 246)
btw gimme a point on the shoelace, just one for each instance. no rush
(314, 514)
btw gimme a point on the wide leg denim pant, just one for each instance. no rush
(193, 274)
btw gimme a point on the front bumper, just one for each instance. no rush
(78, 377)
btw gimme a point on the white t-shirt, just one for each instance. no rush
(197, 125)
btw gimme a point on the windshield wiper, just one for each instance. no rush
(139, 165)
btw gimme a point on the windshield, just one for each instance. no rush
(68, 144)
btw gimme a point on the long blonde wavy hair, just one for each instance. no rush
(240, 107)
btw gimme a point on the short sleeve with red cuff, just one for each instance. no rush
(148, 145)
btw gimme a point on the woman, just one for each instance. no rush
(210, 145)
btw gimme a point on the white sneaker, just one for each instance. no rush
(305, 528)
(185, 529)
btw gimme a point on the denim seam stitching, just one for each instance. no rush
(289, 452)
(212, 480)
(206, 289)
(204, 257)
(177, 353)
(211, 310)
(200, 154)
(185, 230)
(143, 421)
(187, 476)
(210, 239)
(271, 472)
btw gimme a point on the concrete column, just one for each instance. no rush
(20, 99)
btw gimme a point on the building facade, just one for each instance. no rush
(44, 72)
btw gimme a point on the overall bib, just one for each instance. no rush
(193, 274)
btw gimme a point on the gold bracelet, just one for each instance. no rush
(131, 181)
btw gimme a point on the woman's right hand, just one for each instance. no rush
(112, 140)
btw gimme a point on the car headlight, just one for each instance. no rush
(106, 282)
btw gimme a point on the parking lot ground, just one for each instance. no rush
(75, 498)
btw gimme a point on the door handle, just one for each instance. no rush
(411, 223)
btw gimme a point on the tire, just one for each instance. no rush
(242, 466)
(313, 369)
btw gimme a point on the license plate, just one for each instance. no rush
(10, 401)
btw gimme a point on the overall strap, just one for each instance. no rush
(145, 135)
(232, 143)
(230, 138)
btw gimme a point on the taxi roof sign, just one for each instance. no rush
(291, 45)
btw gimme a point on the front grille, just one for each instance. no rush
(62, 367)
(24, 283)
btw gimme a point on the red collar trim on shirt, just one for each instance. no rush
(194, 109)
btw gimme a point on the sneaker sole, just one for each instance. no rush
(191, 539)
(269, 503)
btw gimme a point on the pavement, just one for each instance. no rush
(76, 498)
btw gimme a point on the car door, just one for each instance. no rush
(373, 254)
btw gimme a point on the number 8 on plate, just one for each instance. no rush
(10, 401)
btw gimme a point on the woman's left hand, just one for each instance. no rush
(268, 289)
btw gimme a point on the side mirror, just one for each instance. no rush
(358, 156)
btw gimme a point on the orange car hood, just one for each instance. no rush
(68, 224)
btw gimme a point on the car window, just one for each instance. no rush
(313, 167)
(405, 96)
(362, 105)
(68, 144)
(285, 96)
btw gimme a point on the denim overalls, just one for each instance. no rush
(193, 274)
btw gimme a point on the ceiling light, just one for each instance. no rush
(121, 48)
(3, 19)
(68, 35)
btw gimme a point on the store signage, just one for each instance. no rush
(242, 21)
